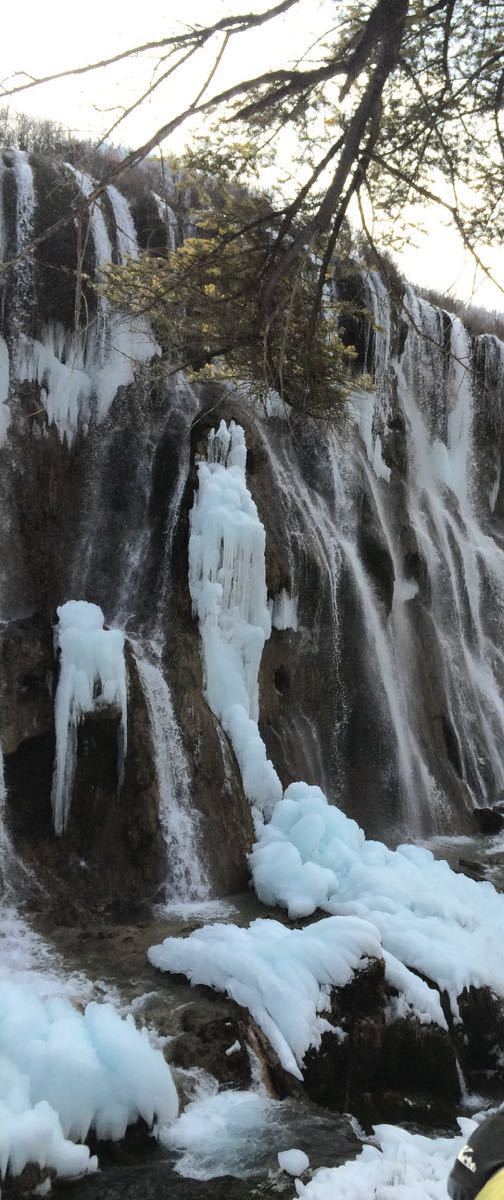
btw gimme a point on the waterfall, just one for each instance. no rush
(127, 244)
(458, 554)
(167, 216)
(25, 209)
(103, 255)
(186, 878)
(5, 845)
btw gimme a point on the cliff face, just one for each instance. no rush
(383, 677)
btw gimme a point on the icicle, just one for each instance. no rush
(92, 675)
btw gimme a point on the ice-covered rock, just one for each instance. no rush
(283, 976)
(442, 924)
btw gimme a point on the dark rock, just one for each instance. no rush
(209, 1029)
(375, 553)
(489, 820)
(419, 1060)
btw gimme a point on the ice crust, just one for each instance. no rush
(283, 976)
(64, 1072)
(401, 1166)
(430, 918)
(92, 675)
(228, 591)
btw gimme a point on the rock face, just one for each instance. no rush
(378, 528)
(373, 1063)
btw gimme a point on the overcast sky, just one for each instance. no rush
(42, 39)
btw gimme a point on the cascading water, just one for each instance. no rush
(186, 878)
(25, 208)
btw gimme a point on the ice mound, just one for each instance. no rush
(63, 1072)
(92, 675)
(442, 924)
(283, 976)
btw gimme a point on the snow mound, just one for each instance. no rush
(402, 1166)
(442, 924)
(283, 976)
(228, 589)
(92, 675)
(63, 1072)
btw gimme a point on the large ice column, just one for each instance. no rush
(227, 581)
(92, 676)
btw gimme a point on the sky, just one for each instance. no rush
(42, 39)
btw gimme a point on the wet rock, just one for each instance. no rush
(490, 820)
(482, 1040)
(419, 1060)
(375, 553)
(27, 667)
(113, 850)
(209, 1031)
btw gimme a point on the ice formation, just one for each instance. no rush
(63, 1072)
(401, 1166)
(80, 374)
(295, 1162)
(283, 976)
(429, 918)
(92, 674)
(228, 591)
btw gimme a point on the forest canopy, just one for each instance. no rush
(399, 102)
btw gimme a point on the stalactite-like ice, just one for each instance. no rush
(283, 976)
(92, 675)
(65, 1072)
(228, 591)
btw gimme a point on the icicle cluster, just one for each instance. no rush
(92, 676)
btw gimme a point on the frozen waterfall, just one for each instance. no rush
(92, 676)
(228, 589)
